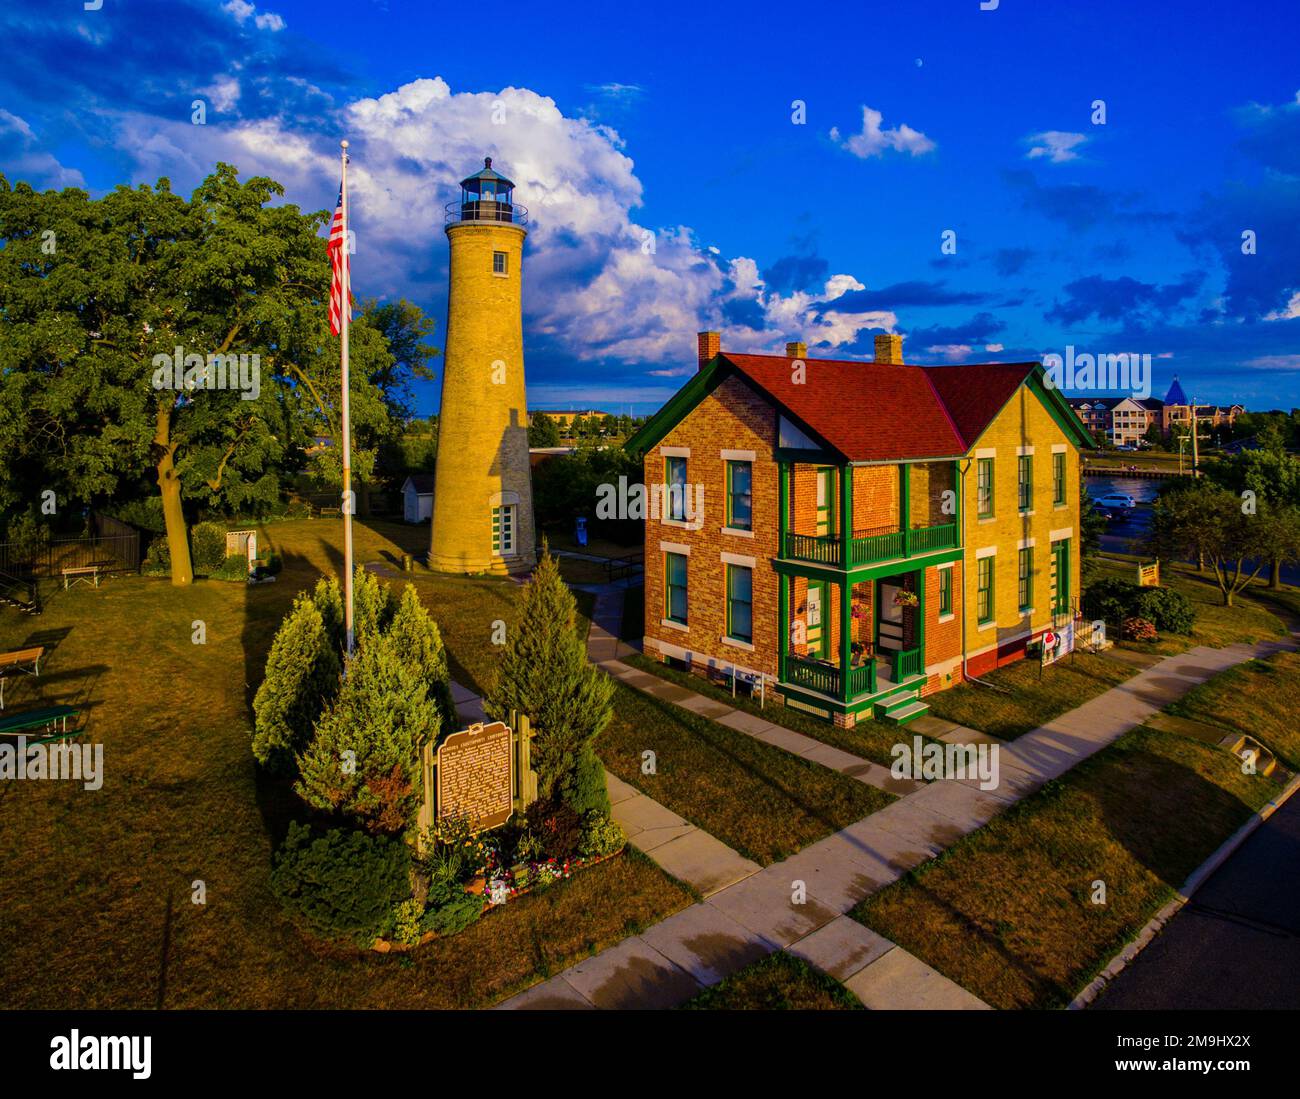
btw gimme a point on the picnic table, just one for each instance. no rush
(26, 661)
(51, 718)
(84, 573)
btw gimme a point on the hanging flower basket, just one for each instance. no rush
(907, 599)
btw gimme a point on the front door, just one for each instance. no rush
(817, 632)
(889, 616)
(825, 502)
(1060, 579)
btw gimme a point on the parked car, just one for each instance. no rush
(1115, 500)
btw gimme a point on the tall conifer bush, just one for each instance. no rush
(544, 674)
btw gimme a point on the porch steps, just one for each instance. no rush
(900, 706)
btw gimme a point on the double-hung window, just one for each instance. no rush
(984, 590)
(675, 600)
(1058, 477)
(675, 483)
(740, 495)
(1025, 482)
(1026, 579)
(984, 487)
(740, 603)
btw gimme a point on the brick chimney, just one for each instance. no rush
(889, 349)
(796, 349)
(710, 345)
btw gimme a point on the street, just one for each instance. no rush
(1236, 945)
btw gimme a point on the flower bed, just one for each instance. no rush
(502, 887)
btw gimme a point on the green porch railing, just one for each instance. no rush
(818, 548)
(867, 549)
(813, 674)
(861, 680)
(870, 547)
(907, 663)
(927, 539)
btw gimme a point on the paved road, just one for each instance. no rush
(1237, 944)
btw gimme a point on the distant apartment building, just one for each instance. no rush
(1126, 420)
(857, 535)
(563, 418)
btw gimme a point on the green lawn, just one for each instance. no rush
(1247, 621)
(95, 905)
(758, 799)
(1033, 700)
(868, 739)
(1008, 911)
(1260, 697)
(778, 982)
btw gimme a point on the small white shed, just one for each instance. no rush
(417, 498)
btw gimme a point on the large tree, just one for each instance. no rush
(1273, 476)
(96, 298)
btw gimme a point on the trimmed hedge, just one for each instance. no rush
(1115, 600)
(342, 882)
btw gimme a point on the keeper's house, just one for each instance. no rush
(858, 534)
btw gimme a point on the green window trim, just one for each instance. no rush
(1058, 477)
(740, 495)
(1025, 482)
(1026, 579)
(984, 590)
(676, 587)
(945, 592)
(984, 488)
(675, 475)
(740, 603)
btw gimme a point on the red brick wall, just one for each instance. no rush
(733, 417)
(875, 498)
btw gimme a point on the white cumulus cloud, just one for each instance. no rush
(873, 140)
(1056, 145)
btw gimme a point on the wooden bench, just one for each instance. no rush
(51, 718)
(26, 661)
(82, 573)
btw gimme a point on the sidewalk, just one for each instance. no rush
(801, 904)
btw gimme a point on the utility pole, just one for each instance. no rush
(1196, 461)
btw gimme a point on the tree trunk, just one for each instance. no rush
(169, 485)
(1275, 574)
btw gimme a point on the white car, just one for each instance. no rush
(1115, 500)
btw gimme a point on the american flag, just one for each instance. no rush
(338, 253)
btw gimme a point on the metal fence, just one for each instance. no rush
(112, 545)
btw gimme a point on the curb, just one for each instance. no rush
(1194, 881)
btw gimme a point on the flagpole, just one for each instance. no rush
(344, 317)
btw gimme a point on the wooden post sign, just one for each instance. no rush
(475, 776)
(1149, 574)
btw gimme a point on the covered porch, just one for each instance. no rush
(848, 640)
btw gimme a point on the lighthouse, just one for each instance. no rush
(482, 497)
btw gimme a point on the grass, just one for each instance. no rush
(1034, 701)
(778, 982)
(1247, 621)
(1260, 697)
(868, 739)
(757, 799)
(1008, 911)
(91, 876)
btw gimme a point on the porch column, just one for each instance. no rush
(846, 585)
(783, 623)
(905, 506)
(783, 494)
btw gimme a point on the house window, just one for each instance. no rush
(1060, 577)
(740, 603)
(503, 529)
(945, 592)
(499, 263)
(675, 477)
(675, 582)
(984, 487)
(1058, 477)
(1026, 579)
(740, 497)
(1026, 482)
(984, 590)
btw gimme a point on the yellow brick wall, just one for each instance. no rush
(1024, 422)
(483, 423)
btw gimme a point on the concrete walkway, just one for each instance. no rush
(604, 646)
(800, 904)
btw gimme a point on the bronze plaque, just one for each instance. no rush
(476, 776)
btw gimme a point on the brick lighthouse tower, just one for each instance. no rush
(483, 500)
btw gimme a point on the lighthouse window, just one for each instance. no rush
(499, 263)
(503, 529)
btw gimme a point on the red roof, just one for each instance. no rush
(887, 412)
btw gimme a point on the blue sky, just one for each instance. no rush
(622, 120)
